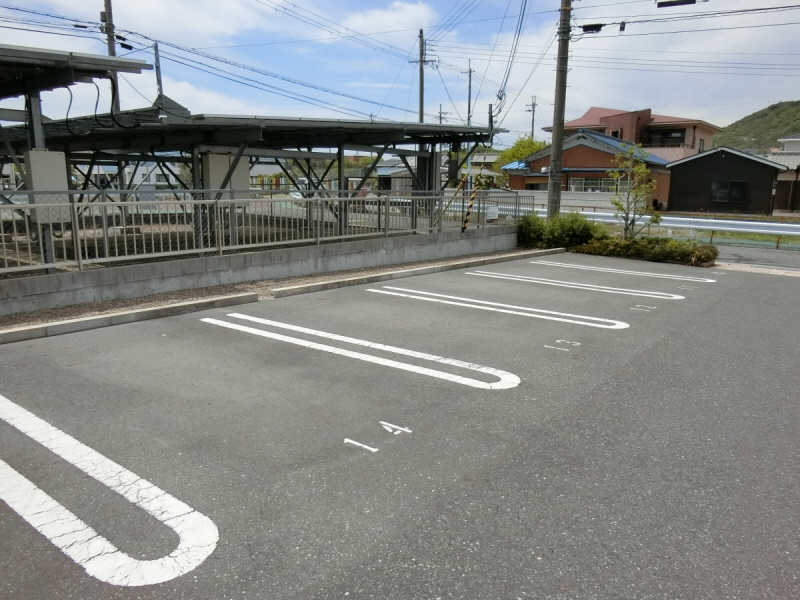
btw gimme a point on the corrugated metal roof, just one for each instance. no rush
(787, 159)
(517, 165)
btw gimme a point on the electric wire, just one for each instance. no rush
(455, 108)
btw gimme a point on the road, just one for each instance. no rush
(519, 430)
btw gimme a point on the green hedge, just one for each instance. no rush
(687, 252)
(565, 231)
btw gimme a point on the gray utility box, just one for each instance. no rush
(46, 179)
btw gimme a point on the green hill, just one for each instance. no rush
(762, 129)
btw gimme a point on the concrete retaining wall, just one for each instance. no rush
(64, 289)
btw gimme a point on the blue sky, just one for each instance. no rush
(718, 69)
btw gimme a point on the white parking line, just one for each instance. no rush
(198, 535)
(536, 313)
(395, 429)
(359, 444)
(579, 286)
(506, 380)
(622, 271)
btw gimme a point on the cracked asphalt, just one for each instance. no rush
(654, 461)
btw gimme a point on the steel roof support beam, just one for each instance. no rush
(372, 167)
(411, 171)
(267, 153)
(35, 129)
(386, 150)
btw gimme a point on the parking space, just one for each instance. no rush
(575, 427)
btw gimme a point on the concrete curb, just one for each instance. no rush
(33, 332)
(338, 283)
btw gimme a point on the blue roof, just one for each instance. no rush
(622, 146)
(516, 165)
(614, 143)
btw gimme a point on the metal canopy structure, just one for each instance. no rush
(168, 132)
(33, 70)
(169, 127)
(30, 71)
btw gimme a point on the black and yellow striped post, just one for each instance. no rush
(469, 210)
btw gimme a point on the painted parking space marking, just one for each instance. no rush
(643, 307)
(506, 380)
(567, 342)
(359, 444)
(502, 308)
(197, 533)
(550, 263)
(395, 429)
(579, 286)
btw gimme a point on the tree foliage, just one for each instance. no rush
(522, 148)
(635, 192)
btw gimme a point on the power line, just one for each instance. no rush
(455, 108)
(482, 79)
(696, 30)
(535, 66)
(229, 62)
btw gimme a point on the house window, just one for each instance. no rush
(701, 145)
(605, 184)
(617, 133)
(729, 191)
(161, 178)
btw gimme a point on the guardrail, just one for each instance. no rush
(79, 230)
(695, 224)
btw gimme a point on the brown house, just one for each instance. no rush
(671, 138)
(587, 158)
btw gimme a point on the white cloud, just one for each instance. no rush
(193, 23)
(399, 18)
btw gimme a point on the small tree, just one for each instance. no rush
(634, 192)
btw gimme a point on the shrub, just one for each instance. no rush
(531, 232)
(687, 252)
(570, 229)
(563, 231)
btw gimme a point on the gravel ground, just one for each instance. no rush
(263, 288)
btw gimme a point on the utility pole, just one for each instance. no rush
(158, 69)
(556, 148)
(442, 114)
(107, 17)
(532, 110)
(421, 76)
(469, 122)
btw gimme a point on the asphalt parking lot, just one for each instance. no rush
(544, 428)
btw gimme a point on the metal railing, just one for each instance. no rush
(78, 229)
(695, 225)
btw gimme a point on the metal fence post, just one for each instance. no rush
(218, 226)
(441, 211)
(76, 246)
(320, 222)
(104, 222)
(386, 217)
(516, 208)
